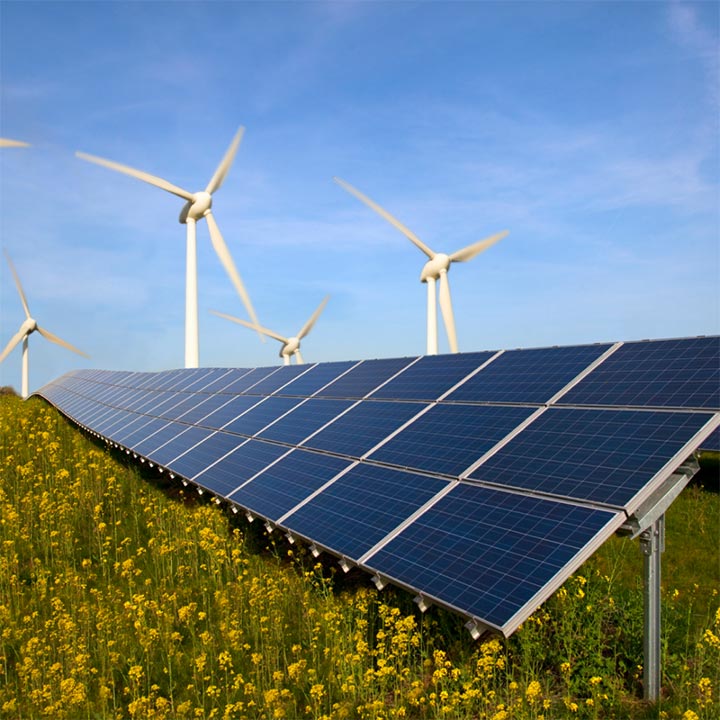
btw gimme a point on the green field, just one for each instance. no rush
(122, 596)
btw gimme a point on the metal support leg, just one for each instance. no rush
(652, 544)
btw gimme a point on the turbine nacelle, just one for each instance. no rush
(291, 346)
(29, 326)
(433, 267)
(196, 208)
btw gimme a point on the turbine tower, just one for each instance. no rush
(291, 345)
(197, 206)
(28, 327)
(436, 268)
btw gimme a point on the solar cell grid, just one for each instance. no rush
(431, 376)
(363, 427)
(317, 377)
(184, 437)
(195, 459)
(667, 373)
(267, 410)
(358, 509)
(604, 456)
(246, 381)
(233, 407)
(364, 377)
(489, 553)
(221, 382)
(143, 432)
(527, 376)
(274, 382)
(289, 481)
(449, 438)
(207, 405)
(305, 419)
(240, 465)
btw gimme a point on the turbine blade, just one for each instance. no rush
(226, 259)
(469, 252)
(447, 311)
(6, 142)
(139, 174)
(222, 169)
(14, 340)
(384, 213)
(260, 329)
(59, 341)
(307, 327)
(18, 285)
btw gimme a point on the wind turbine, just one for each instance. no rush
(28, 327)
(5, 142)
(197, 206)
(291, 345)
(436, 268)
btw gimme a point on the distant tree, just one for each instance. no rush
(8, 390)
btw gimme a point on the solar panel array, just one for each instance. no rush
(480, 481)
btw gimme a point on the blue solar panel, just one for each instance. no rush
(206, 405)
(262, 414)
(449, 438)
(604, 456)
(431, 376)
(317, 377)
(195, 460)
(712, 442)
(166, 431)
(235, 406)
(490, 553)
(364, 378)
(668, 373)
(305, 419)
(283, 485)
(277, 380)
(363, 427)
(185, 403)
(143, 432)
(179, 443)
(223, 381)
(246, 381)
(357, 510)
(527, 376)
(232, 471)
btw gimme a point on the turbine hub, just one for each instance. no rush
(290, 346)
(29, 326)
(434, 267)
(197, 207)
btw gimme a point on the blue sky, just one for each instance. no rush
(588, 130)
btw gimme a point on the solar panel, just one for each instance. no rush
(603, 456)
(364, 378)
(282, 486)
(527, 376)
(490, 553)
(362, 427)
(431, 376)
(357, 510)
(667, 373)
(231, 471)
(306, 418)
(449, 438)
(480, 481)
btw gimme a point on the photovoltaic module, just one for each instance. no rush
(479, 481)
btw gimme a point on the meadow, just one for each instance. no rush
(122, 595)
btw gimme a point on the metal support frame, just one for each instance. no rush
(652, 544)
(648, 524)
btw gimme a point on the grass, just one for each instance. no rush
(124, 597)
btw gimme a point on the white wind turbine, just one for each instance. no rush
(197, 207)
(436, 268)
(28, 327)
(290, 345)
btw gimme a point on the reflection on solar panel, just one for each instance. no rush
(479, 481)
